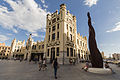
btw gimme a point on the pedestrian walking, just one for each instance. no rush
(86, 66)
(40, 64)
(107, 66)
(71, 61)
(74, 61)
(20, 59)
(55, 66)
(44, 64)
(35, 60)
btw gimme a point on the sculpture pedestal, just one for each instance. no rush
(99, 70)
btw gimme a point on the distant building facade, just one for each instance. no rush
(103, 56)
(4, 51)
(16, 48)
(116, 56)
(34, 50)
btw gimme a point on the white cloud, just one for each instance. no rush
(37, 35)
(34, 34)
(93, 22)
(45, 6)
(117, 28)
(90, 2)
(9, 34)
(3, 38)
(43, 1)
(25, 14)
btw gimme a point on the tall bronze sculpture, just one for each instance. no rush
(95, 55)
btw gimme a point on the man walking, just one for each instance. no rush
(55, 65)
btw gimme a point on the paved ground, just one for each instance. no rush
(15, 70)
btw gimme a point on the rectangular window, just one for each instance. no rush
(49, 30)
(71, 29)
(67, 51)
(39, 46)
(48, 53)
(49, 23)
(67, 36)
(74, 52)
(54, 20)
(57, 26)
(81, 51)
(57, 51)
(57, 18)
(71, 37)
(71, 50)
(49, 38)
(53, 36)
(53, 28)
(17, 50)
(67, 26)
(35, 47)
(77, 41)
(57, 35)
(70, 21)
(42, 46)
(81, 43)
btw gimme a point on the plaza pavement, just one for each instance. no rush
(15, 70)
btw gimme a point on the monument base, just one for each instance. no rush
(99, 70)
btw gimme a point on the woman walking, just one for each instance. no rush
(55, 66)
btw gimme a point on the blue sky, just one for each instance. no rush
(18, 18)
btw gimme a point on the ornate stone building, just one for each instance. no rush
(34, 50)
(4, 51)
(16, 48)
(61, 40)
(116, 56)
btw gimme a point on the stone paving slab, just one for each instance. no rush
(15, 70)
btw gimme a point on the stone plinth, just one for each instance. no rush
(100, 70)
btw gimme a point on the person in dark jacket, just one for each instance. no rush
(55, 66)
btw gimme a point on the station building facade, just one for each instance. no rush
(61, 40)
